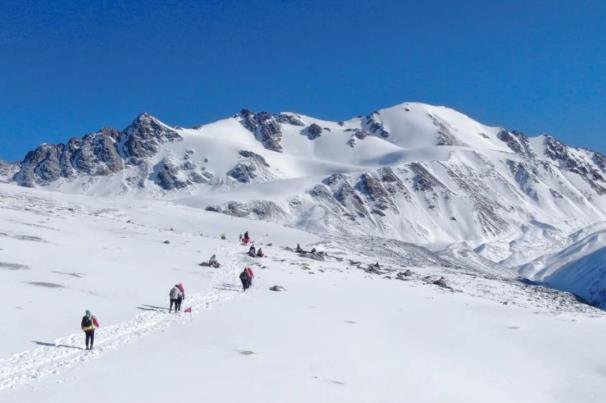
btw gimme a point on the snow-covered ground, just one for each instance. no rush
(342, 331)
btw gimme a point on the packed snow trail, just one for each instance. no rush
(66, 352)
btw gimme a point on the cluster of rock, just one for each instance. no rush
(101, 153)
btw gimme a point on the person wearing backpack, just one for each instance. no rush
(180, 298)
(89, 324)
(174, 295)
(246, 277)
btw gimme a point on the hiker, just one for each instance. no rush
(174, 295)
(246, 277)
(252, 252)
(180, 298)
(245, 238)
(212, 262)
(260, 253)
(299, 250)
(89, 324)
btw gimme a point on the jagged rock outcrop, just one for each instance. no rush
(142, 137)
(169, 177)
(373, 125)
(580, 162)
(7, 171)
(101, 153)
(517, 142)
(264, 126)
(313, 131)
(250, 167)
(257, 209)
(290, 119)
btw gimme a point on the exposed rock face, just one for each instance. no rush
(313, 131)
(142, 137)
(41, 165)
(373, 125)
(264, 126)
(578, 162)
(7, 171)
(290, 119)
(96, 154)
(517, 142)
(168, 176)
(524, 178)
(251, 166)
(257, 209)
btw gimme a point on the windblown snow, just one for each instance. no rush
(474, 229)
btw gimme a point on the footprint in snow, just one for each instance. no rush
(513, 327)
(246, 352)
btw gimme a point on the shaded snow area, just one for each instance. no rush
(427, 324)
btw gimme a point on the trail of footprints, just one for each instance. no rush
(28, 366)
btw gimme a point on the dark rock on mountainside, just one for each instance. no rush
(264, 126)
(290, 119)
(251, 166)
(313, 131)
(142, 137)
(96, 154)
(7, 171)
(517, 142)
(374, 126)
(168, 176)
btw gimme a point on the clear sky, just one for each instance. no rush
(70, 67)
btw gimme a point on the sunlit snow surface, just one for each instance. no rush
(338, 333)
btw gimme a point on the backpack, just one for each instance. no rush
(174, 293)
(87, 322)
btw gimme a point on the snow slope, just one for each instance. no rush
(418, 327)
(578, 268)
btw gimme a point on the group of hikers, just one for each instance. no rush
(176, 294)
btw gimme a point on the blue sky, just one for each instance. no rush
(68, 68)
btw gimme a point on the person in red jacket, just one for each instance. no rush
(89, 324)
(246, 277)
(180, 298)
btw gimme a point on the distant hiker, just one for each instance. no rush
(260, 253)
(246, 277)
(89, 324)
(299, 250)
(252, 252)
(181, 297)
(174, 295)
(245, 238)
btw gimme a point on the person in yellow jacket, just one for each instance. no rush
(88, 325)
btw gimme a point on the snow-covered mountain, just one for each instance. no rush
(424, 221)
(416, 173)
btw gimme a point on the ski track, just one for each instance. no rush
(31, 365)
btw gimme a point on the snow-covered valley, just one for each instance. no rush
(474, 229)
